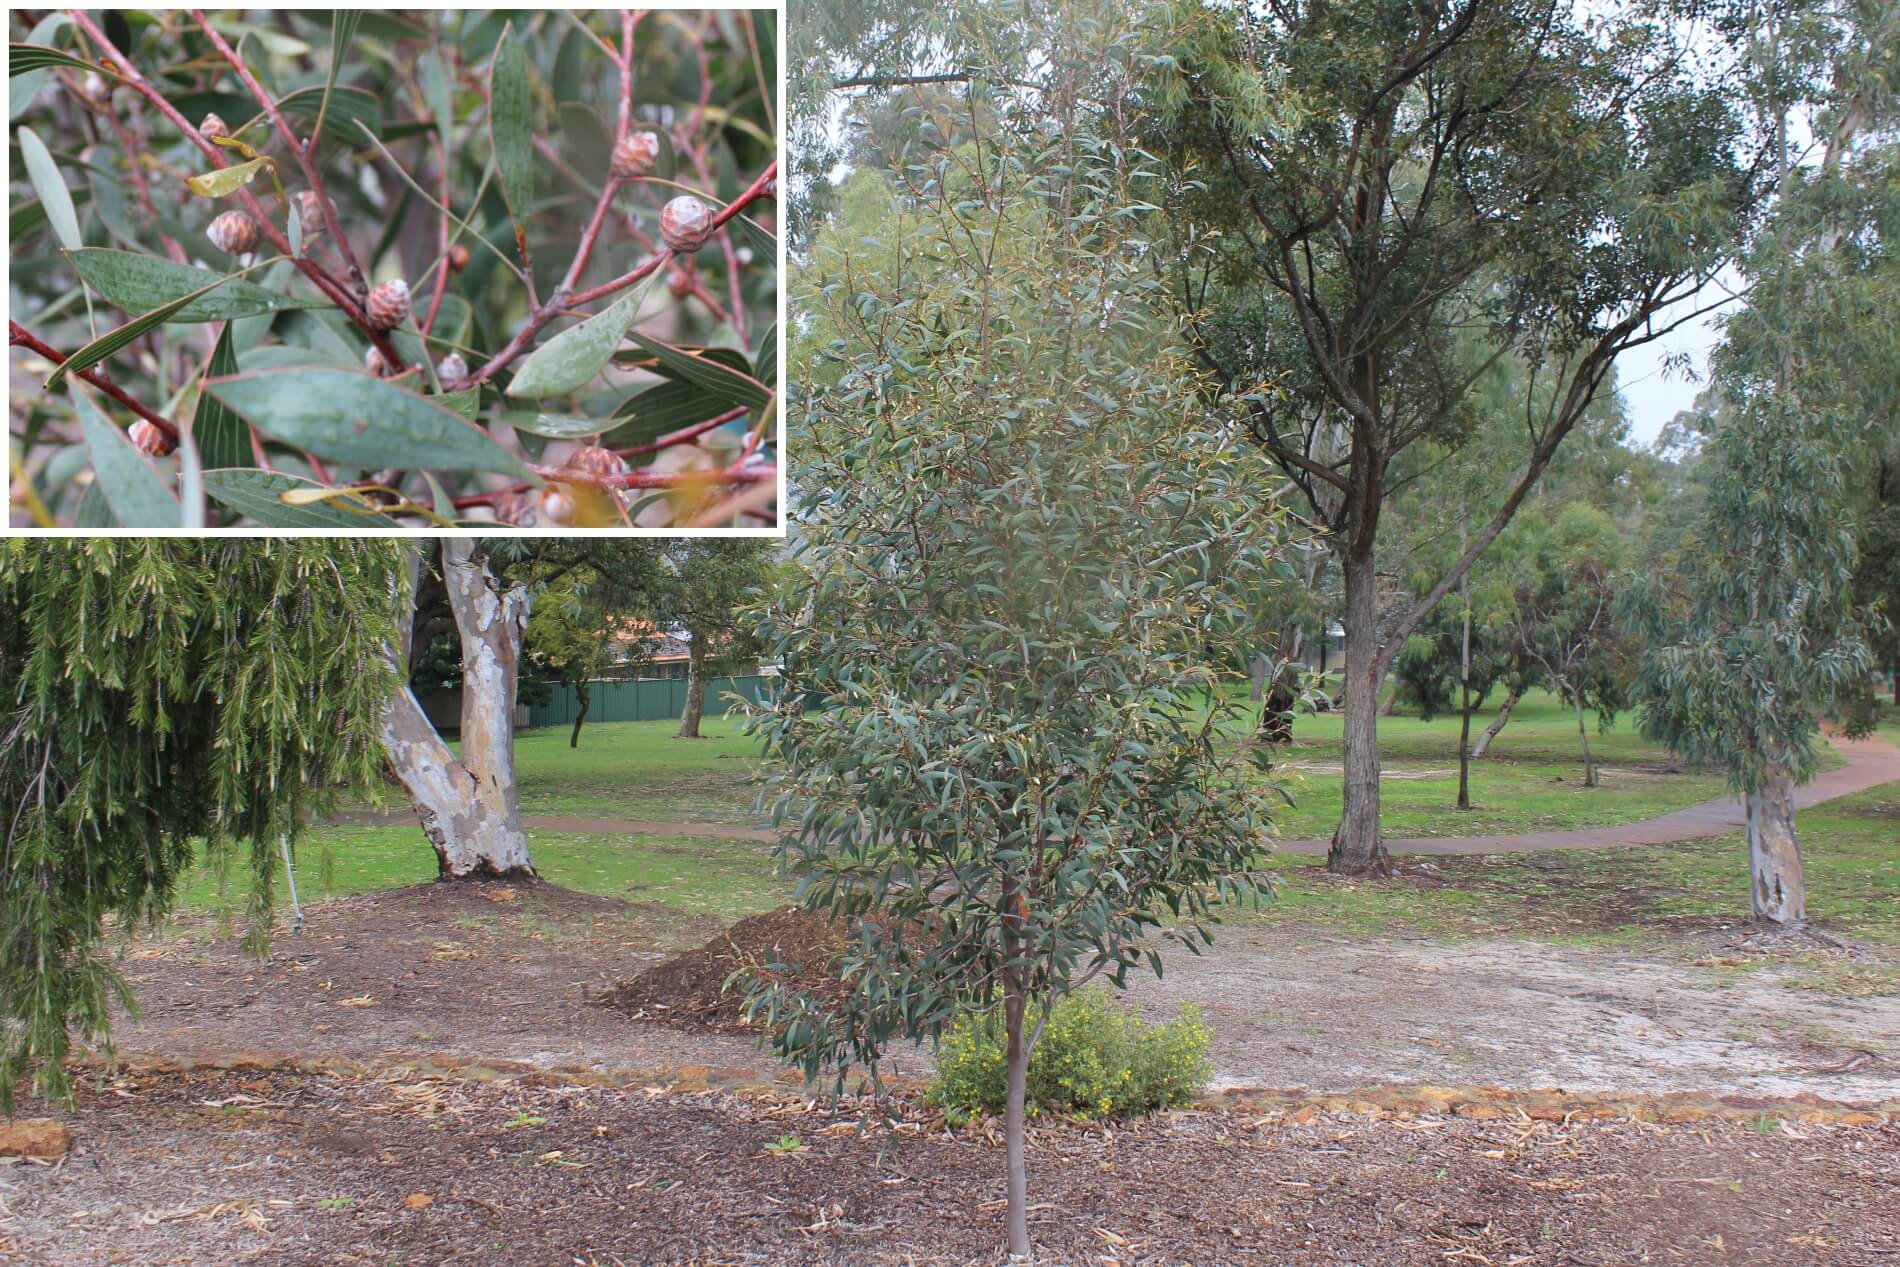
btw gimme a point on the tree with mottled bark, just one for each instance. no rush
(1375, 204)
(165, 701)
(468, 807)
(998, 753)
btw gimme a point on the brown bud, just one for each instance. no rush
(680, 282)
(213, 127)
(458, 258)
(388, 304)
(373, 361)
(451, 368)
(686, 223)
(234, 232)
(150, 438)
(593, 460)
(636, 155)
(310, 214)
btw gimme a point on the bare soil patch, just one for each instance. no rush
(292, 1170)
(690, 988)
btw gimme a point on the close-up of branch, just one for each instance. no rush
(394, 271)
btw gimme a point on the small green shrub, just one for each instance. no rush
(1095, 1059)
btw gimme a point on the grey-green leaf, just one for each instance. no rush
(138, 495)
(575, 355)
(220, 434)
(350, 417)
(722, 381)
(510, 119)
(50, 186)
(22, 58)
(660, 409)
(112, 340)
(139, 283)
(257, 495)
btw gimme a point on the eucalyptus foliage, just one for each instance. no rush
(387, 339)
(997, 756)
(164, 699)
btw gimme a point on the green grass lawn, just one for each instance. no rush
(686, 875)
(1636, 895)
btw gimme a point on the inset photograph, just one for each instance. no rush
(394, 271)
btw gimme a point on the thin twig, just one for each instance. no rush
(19, 336)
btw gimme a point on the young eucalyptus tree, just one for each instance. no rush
(1374, 203)
(1759, 633)
(159, 694)
(995, 753)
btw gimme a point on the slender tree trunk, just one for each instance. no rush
(1358, 846)
(1464, 705)
(1896, 683)
(695, 690)
(585, 694)
(468, 808)
(1778, 893)
(1497, 723)
(1017, 1058)
(1583, 736)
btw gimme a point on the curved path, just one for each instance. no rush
(1868, 763)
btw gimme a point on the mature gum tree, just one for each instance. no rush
(1374, 203)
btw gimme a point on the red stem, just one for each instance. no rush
(301, 151)
(684, 434)
(18, 335)
(318, 276)
(632, 479)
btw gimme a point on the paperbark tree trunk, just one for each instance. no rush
(1778, 893)
(695, 690)
(1497, 723)
(468, 808)
(585, 695)
(1358, 846)
(1583, 737)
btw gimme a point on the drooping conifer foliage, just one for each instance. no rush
(164, 700)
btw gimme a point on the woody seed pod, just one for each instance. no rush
(310, 214)
(373, 361)
(388, 304)
(458, 258)
(149, 438)
(680, 282)
(234, 232)
(451, 368)
(212, 127)
(686, 223)
(635, 155)
(594, 460)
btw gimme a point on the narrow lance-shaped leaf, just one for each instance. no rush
(258, 495)
(220, 434)
(509, 124)
(22, 58)
(50, 186)
(346, 416)
(112, 340)
(722, 381)
(575, 355)
(342, 30)
(139, 283)
(138, 495)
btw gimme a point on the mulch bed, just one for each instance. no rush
(689, 990)
(295, 1170)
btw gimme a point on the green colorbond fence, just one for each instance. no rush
(648, 700)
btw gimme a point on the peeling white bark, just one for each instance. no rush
(469, 809)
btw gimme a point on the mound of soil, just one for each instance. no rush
(690, 988)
